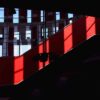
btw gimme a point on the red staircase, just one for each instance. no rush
(17, 69)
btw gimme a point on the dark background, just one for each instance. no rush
(85, 7)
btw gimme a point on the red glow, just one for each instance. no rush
(68, 38)
(90, 27)
(41, 48)
(18, 69)
(40, 64)
(47, 46)
(47, 50)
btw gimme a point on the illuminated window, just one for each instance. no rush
(1, 15)
(16, 50)
(42, 17)
(57, 29)
(1, 32)
(1, 35)
(57, 15)
(16, 16)
(43, 32)
(70, 15)
(24, 48)
(16, 37)
(46, 32)
(16, 33)
(29, 16)
(21, 49)
(0, 50)
(28, 32)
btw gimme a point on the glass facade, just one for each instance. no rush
(24, 32)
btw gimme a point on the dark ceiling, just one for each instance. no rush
(74, 6)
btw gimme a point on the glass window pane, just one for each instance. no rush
(29, 13)
(53, 30)
(57, 29)
(41, 13)
(70, 15)
(16, 16)
(42, 16)
(1, 35)
(41, 19)
(0, 50)
(42, 31)
(57, 15)
(16, 33)
(24, 48)
(16, 50)
(2, 15)
(28, 32)
(29, 16)
(29, 20)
